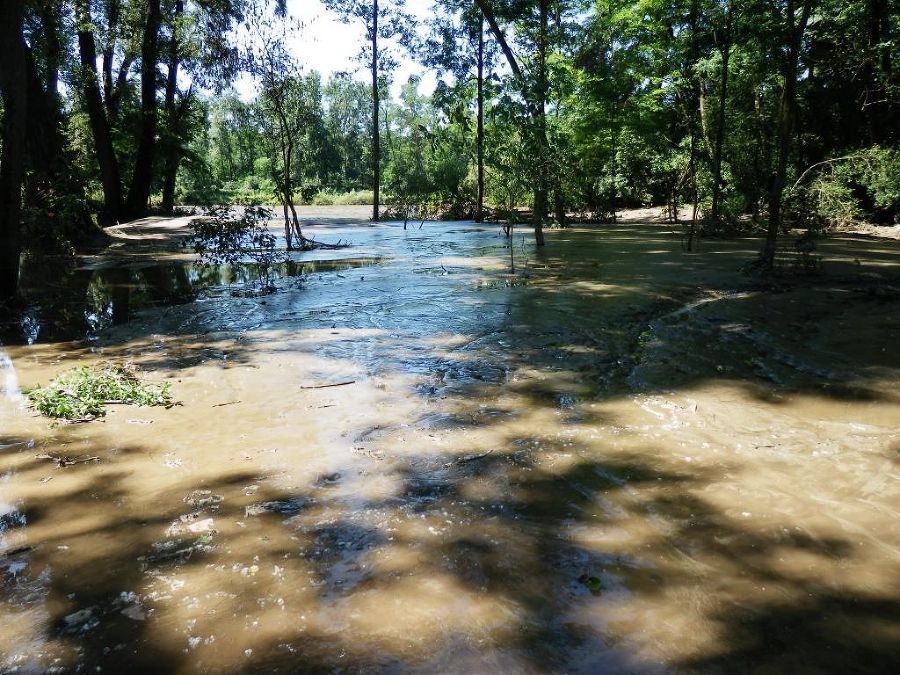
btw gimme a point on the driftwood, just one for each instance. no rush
(325, 386)
(68, 461)
(466, 459)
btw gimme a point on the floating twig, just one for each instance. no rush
(468, 458)
(325, 386)
(68, 461)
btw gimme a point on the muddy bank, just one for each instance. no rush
(619, 458)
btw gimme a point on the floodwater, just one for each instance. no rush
(620, 458)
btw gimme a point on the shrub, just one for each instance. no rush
(352, 198)
(864, 185)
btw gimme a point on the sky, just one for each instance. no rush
(329, 46)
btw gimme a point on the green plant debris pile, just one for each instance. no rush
(82, 393)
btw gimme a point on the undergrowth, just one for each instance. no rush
(81, 393)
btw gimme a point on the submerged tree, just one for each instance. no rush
(285, 110)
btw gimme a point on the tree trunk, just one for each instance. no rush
(13, 88)
(106, 156)
(44, 141)
(725, 49)
(109, 49)
(51, 20)
(376, 132)
(479, 140)
(540, 118)
(173, 116)
(692, 125)
(786, 112)
(142, 176)
(882, 129)
(536, 110)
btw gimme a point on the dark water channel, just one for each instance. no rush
(65, 301)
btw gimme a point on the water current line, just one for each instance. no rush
(8, 377)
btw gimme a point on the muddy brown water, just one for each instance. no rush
(620, 459)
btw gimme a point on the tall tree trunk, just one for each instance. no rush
(142, 176)
(106, 156)
(376, 132)
(881, 128)
(540, 118)
(49, 171)
(725, 49)
(44, 143)
(559, 195)
(51, 20)
(108, 53)
(692, 124)
(535, 110)
(479, 139)
(13, 88)
(173, 115)
(787, 108)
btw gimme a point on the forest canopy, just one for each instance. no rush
(749, 113)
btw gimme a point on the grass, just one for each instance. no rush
(82, 393)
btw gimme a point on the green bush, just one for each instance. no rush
(864, 185)
(353, 198)
(323, 198)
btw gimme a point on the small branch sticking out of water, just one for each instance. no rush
(468, 458)
(68, 461)
(325, 386)
(307, 244)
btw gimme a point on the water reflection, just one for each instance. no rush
(67, 302)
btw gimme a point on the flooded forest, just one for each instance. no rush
(536, 336)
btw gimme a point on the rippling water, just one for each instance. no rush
(619, 458)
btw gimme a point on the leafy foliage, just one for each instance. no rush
(83, 393)
(856, 186)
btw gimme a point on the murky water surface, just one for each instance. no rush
(622, 459)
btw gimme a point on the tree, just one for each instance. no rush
(457, 46)
(348, 149)
(534, 87)
(382, 19)
(793, 28)
(286, 111)
(13, 88)
(723, 42)
(142, 175)
(196, 44)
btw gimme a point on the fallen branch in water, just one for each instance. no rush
(325, 386)
(468, 458)
(219, 405)
(62, 462)
(307, 244)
